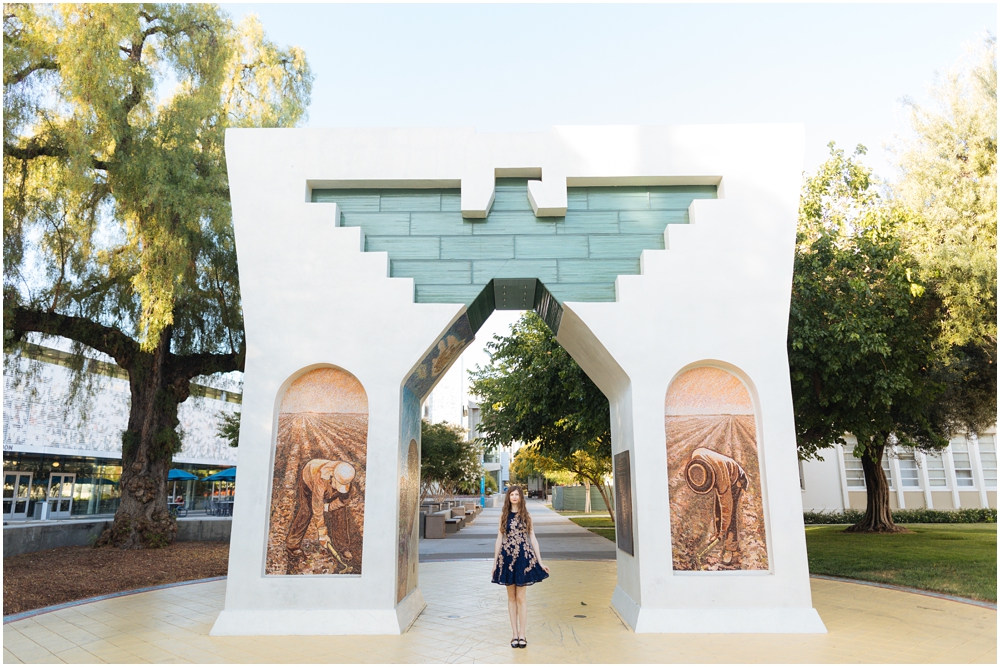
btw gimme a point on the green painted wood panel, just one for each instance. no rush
(583, 291)
(446, 293)
(379, 224)
(590, 222)
(516, 222)
(550, 247)
(410, 200)
(620, 245)
(355, 201)
(477, 247)
(576, 199)
(679, 196)
(617, 199)
(405, 247)
(545, 270)
(649, 222)
(577, 257)
(511, 195)
(440, 224)
(595, 270)
(432, 272)
(451, 200)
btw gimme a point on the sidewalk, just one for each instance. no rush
(558, 538)
(569, 621)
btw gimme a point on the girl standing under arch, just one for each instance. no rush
(517, 561)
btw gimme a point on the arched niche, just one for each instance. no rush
(317, 506)
(714, 472)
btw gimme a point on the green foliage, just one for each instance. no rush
(861, 327)
(949, 182)
(447, 459)
(229, 427)
(959, 559)
(533, 391)
(116, 182)
(968, 515)
(117, 222)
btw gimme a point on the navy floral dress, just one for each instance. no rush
(517, 563)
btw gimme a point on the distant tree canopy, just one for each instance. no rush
(533, 392)
(948, 181)
(892, 330)
(448, 462)
(117, 223)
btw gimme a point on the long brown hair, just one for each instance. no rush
(522, 510)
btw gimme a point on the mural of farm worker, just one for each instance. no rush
(324, 487)
(717, 474)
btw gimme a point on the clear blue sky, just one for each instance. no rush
(840, 69)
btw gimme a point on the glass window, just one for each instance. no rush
(855, 473)
(8, 492)
(935, 470)
(963, 463)
(988, 455)
(909, 475)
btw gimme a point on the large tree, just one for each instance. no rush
(948, 180)
(448, 461)
(117, 226)
(533, 392)
(861, 329)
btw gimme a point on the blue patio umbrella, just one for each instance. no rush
(177, 475)
(227, 475)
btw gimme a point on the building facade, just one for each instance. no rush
(67, 454)
(964, 475)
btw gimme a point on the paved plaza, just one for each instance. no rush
(570, 621)
(558, 538)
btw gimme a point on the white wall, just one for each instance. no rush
(719, 294)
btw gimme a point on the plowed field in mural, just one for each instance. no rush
(692, 514)
(302, 437)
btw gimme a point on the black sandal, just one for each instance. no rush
(513, 642)
(522, 643)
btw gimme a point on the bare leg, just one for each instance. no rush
(522, 610)
(512, 608)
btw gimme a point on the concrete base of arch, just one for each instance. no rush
(307, 622)
(715, 620)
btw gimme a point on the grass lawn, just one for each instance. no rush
(600, 524)
(955, 558)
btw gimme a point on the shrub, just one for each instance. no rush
(969, 515)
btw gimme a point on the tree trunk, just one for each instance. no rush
(148, 445)
(601, 489)
(586, 497)
(878, 517)
(159, 381)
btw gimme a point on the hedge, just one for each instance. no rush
(970, 515)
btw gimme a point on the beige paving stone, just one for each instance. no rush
(9, 658)
(867, 625)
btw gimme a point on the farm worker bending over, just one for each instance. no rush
(323, 487)
(709, 471)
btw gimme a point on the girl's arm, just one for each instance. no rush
(538, 552)
(496, 549)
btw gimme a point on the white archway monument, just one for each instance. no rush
(379, 252)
